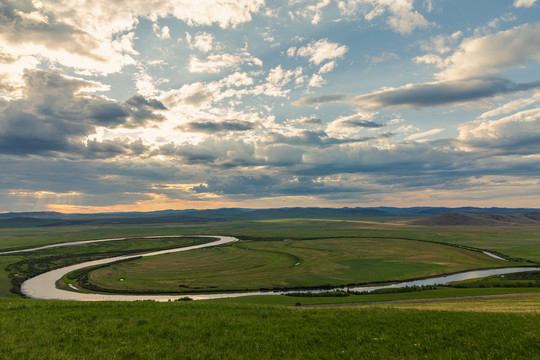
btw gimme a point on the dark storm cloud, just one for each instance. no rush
(212, 127)
(53, 117)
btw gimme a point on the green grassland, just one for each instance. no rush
(252, 265)
(329, 252)
(273, 327)
(19, 267)
(199, 330)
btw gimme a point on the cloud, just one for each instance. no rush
(440, 93)
(19, 28)
(276, 80)
(162, 33)
(403, 18)
(490, 54)
(424, 134)
(212, 127)
(96, 36)
(384, 57)
(323, 99)
(214, 151)
(319, 51)
(345, 125)
(44, 32)
(316, 81)
(309, 138)
(57, 115)
(309, 121)
(512, 106)
(425, 95)
(201, 95)
(524, 3)
(356, 120)
(442, 44)
(329, 66)
(215, 63)
(244, 184)
(515, 134)
(202, 41)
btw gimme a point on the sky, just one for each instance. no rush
(146, 105)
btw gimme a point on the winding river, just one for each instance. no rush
(43, 286)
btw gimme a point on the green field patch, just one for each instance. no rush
(252, 265)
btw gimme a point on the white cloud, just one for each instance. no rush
(163, 33)
(343, 126)
(489, 55)
(424, 134)
(89, 35)
(511, 106)
(316, 81)
(291, 51)
(329, 66)
(276, 80)
(385, 56)
(442, 44)
(403, 18)
(145, 84)
(215, 63)
(517, 133)
(202, 41)
(524, 3)
(313, 12)
(319, 51)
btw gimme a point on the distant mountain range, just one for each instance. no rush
(427, 215)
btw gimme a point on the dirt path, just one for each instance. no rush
(480, 297)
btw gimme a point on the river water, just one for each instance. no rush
(44, 286)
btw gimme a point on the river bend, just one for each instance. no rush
(43, 286)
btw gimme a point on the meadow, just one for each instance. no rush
(33, 329)
(278, 253)
(253, 265)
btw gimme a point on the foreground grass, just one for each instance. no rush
(514, 305)
(146, 330)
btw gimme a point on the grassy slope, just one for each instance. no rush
(271, 264)
(146, 330)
